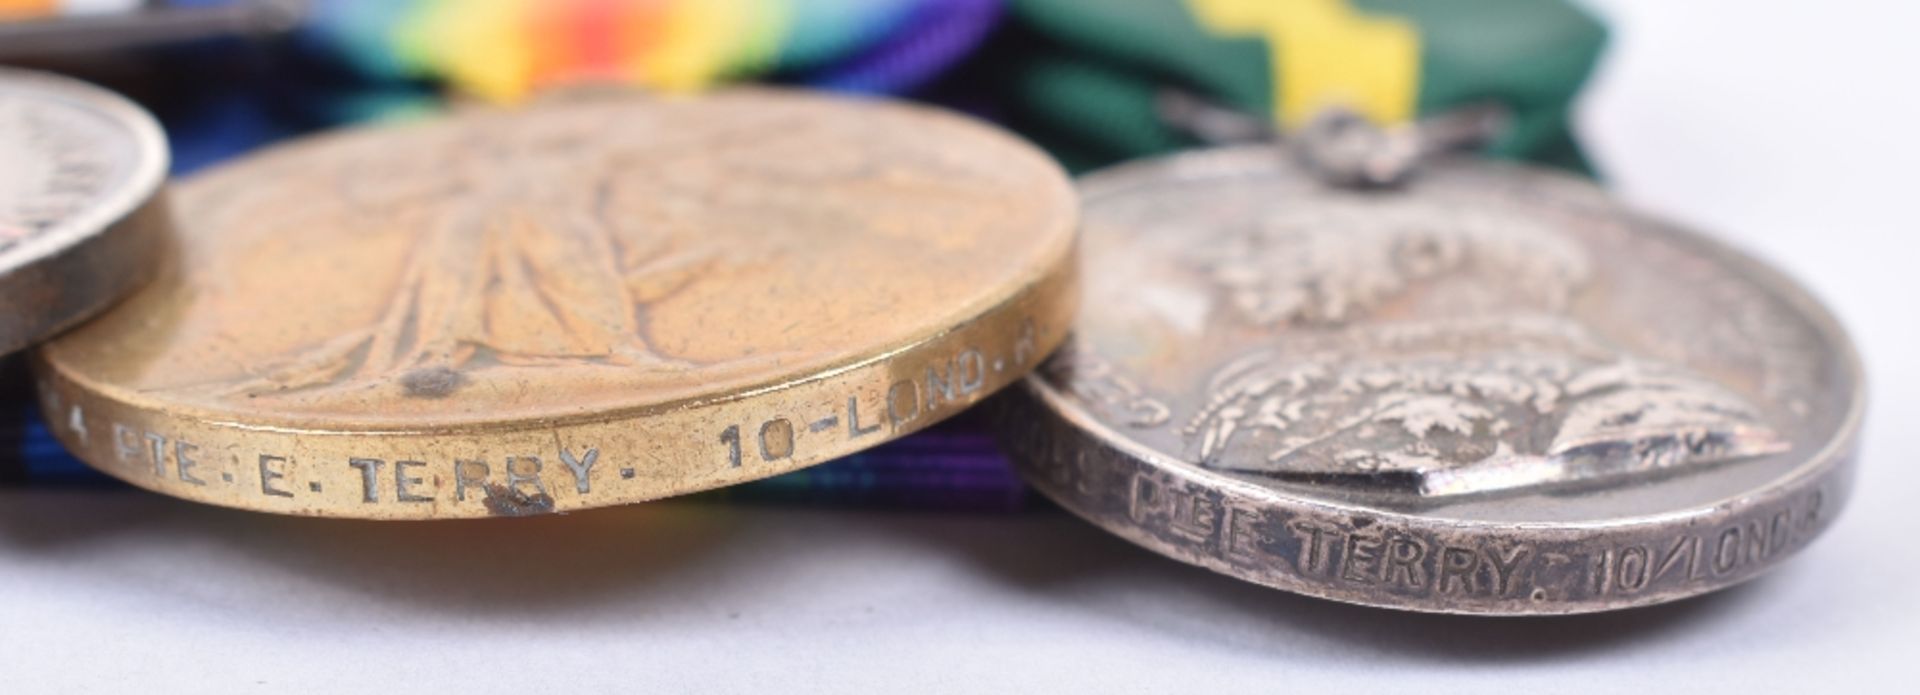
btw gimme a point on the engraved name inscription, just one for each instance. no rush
(1366, 552)
(527, 480)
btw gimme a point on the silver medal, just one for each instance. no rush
(81, 214)
(1484, 388)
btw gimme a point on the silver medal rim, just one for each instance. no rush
(112, 241)
(1825, 473)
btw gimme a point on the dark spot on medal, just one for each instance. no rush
(504, 501)
(432, 382)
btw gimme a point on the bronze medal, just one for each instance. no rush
(581, 303)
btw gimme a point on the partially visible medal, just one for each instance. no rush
(81, 214)
(1473, 388)
(585, 302)
(51, 31)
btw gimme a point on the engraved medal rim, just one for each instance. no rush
(1811, 477)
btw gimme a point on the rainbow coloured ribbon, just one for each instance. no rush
(503, 50)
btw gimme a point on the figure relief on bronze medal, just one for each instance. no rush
(520, 261)
(523, 270)
(613, 254)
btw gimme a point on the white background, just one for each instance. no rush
(1788, 126)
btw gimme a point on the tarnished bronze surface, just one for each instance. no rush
(587, 302)
(81, 208)
(1488, 390)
